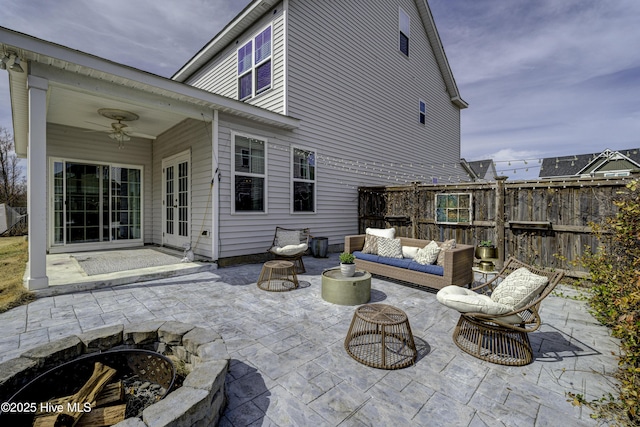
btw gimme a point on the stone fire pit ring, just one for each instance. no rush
(201, 352)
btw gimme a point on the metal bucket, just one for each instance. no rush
(319, 247)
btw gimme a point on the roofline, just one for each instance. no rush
(219, 41)
(59, 56)
(223, 38)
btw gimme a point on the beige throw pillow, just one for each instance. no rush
(370, 244)
(519, 288)
(389, 233)
(391, 248)
(428, 254)
(445, 246)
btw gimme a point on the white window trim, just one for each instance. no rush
(232, 207)
(454, 194)
(75, 247)
(408, 34)
(314, 181)
(253, 68)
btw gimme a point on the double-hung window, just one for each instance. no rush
(423, 112)
(303, 174)
(249, 171)
(404, 24)
(254, 65)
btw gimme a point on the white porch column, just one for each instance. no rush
(37, 183)
(215, 174)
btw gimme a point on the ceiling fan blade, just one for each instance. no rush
(98, 124)
(140, 135)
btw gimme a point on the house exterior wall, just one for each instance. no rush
(95, 147)
(195, 136)
(357, 97)
(221, 76)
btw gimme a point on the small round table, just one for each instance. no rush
(485, 274)
(278, 276)
(342, 290)
(380, 337)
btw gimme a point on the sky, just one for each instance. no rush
(543, 78)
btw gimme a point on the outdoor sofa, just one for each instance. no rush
(456, 267)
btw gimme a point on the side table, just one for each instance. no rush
(278, 276)
(342, 290)
(380, 337)
(485, 274)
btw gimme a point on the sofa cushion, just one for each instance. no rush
(409, 252)
(366, 257)
(519, 288)
(444, 247)
(395, 262)
(426, 268)
(428, 254)
(389, 247)
(389, 233)
(370, 244)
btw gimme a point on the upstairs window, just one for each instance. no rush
(404, 25)
(423, 112)
(254, 65)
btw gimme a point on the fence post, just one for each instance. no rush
(500, 215)
(414, 211)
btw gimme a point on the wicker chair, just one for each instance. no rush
(500, 338)
(291, 244)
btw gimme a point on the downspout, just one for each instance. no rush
(285, 60)
(215, 181)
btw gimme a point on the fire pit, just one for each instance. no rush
(140, 356)
(121, 382)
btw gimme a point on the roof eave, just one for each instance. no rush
(33, 49)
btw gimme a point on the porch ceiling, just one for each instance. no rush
(80, 110)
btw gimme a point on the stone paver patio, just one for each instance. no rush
(289, 366)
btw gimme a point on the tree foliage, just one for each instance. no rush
(13, 182)
(615, 273)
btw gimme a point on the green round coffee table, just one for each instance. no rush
(342, 290)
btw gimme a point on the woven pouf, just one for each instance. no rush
(278, 276)
(380, 337)
(492, 343)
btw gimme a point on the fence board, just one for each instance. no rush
(568, 205)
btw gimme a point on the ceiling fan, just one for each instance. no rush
(118, 131)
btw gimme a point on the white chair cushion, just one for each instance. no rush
(388, 233)
(391, 248)
(409, 252)
(288, 237)
(428, 254)
(467, 301)
(290, 250)
(519, 288)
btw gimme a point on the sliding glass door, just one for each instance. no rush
(96, 203)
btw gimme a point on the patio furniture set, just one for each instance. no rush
(496, 316)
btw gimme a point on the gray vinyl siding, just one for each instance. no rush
(252, 233)
(358, 98)
(195, 136)
(74, 144)
(220, 75)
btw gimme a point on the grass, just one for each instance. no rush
(13, 259)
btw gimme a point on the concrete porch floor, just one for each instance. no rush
(289, 366)
(67, 276)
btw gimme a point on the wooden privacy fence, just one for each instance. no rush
(544, 222)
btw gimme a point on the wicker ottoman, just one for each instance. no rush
(278, 276)
(380, 337)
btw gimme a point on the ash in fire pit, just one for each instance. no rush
(139, 394)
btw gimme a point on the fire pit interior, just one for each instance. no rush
(115, 373)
